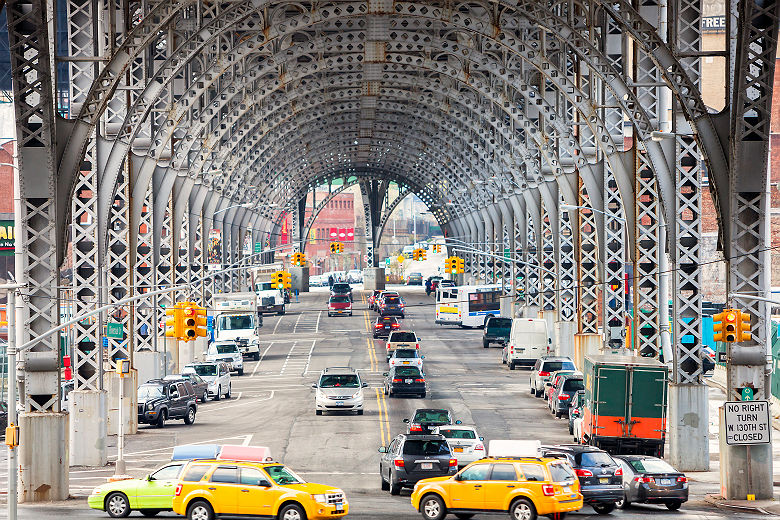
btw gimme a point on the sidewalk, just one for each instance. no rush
(706, 484)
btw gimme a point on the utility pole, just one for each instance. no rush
(13, 451)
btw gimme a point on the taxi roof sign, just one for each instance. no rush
(513, 448)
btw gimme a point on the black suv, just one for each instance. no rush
(411, 458)
(601, 477)
(423, 420)
(341, 288)
(496, 331)
(160, 400)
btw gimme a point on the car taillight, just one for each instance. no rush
(643, 479)
(682, 479)
(453, 462)
(619, 472)
(479, 447)
(415, 428)
(511, 349)
(548, 490)
(398, 463)
(544, 374)
(397, 380)
(583, 473)
(563, 397)
(417, 346)
(396, 325)
(419, 380)
(378, 326)
(178, 489)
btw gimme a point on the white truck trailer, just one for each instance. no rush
(237, 319)
(269, 298)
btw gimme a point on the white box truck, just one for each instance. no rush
(269, 298)
(237, 319)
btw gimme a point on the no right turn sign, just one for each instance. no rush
(747, 422)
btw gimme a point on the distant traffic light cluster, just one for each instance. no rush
(336, 247)
(731, 326)
(436, 248)
(454, 265)
(281, 280)
(419, 254)
(299, 259)
(187, 321)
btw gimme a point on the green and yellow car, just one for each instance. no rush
(148, 495)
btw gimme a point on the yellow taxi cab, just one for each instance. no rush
(210, 489)
(524, 487)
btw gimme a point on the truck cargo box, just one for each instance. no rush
(625, 404)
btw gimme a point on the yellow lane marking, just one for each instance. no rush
(365, 317)
(387, 416)
(379, 407)
(371, 355)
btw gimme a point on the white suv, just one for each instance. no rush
(216, 374)
(543, 369)
(229, 353)
(339, 388)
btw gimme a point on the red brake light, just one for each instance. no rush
(396, 325)
(619, 472)
(397, 380)
(399, 463)
(548, 490)
(417, 346)
(682, 479)
(583, 473)
(544, 374)
(178, 489)
(419, 380)
(453, 462)
(378, 326)
(415, 428)
(644, 480)
(479, 447)
(563, 397)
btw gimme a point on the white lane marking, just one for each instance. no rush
(287, 359)
(277, 323)
(246, 401)
(247, 440)
(308, 359)
(317, 328)
(295, 327)
(261, 359)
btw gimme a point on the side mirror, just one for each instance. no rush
(264, 483)
(422, 357)
(547, 383)
(482, 438)
(365, 385)
(406, 421)
(384, 374)
(314, 385)
(458, 422)
(457, 478)
(382, 449)
(148, 478)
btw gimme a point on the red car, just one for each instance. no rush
(339, 304)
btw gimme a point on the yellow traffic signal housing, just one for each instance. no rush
(201, 322)
(743, 327)
(174, 326)
(333, 247)
(12, 436)
(341, 247)
(278, 280)
(725, 325)
(190, 321)
(448, 265)
(460, 265)
(286, 279)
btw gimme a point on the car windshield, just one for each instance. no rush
(652, 466)
(391, 300)
(150, 391)
(406, 353)
(554, 366)
(386, 319)
(574, 385)
(344, 380)
(205, 370)
(283, 476)
(403, 336)
(339, 299)
(561, 471)
(499, 325)
(237, 322)
(593, 458)
(459, 434)
(426, 448)
(341, 287)
(407, 372)
(226, 349)
(432, 417)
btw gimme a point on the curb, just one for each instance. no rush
(766, 507)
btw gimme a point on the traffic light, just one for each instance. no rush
(201, 322)
(286, 279)
(341, 247)
(459, 266)
(278, 279)
(743, 326)
(725, 325)
(299, 259)
(190, 330)
(423, 254)
(174, 326)
(334, 247)
(449, 266)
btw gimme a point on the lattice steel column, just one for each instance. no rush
(566, 267)
(183, 270)
(646, 267)
(164, 266)
(144, 325)
(587, 267)
(519, 253)
(368, 223)
(614, 252)
(532, 267)
(548, 262)
(118, 274)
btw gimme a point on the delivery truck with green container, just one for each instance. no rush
(625, 404)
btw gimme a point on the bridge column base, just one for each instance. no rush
(565, 330)
(688, 420)
(744, 470)
(585, 345)
(373, 278)
(88, 428)
(44, 457)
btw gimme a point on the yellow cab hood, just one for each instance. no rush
(314, 489)
(434, 479)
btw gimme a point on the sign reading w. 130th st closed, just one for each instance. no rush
(747, 422)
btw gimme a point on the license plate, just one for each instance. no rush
(521, 350)
(458, 450)
(339, 403)
(427, 465)
(404, 362)
(604, 480)
(408, 381)
(664, 482)
(566, 489)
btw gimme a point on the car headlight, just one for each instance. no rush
(356, 394)
(322, 499)
(96, 491)
(149, 406)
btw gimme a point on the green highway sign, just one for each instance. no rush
(115, 330)
(258, 247)
(747, 394)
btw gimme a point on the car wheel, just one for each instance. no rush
(623, 503)
(395, 487)
(190, 417)
(149, 512)
(503, 360)
(227, 394)
(432, 507)
(522, 509)
(423, 395)
(674, 505)
(533, 391)
(558, 415)
(218, 395)
(318, 412)
(511, 365)
(256, 356)
(360, 412)
(161, 419)
(200, 510)
(571, 430)
(603, 509)
(292, 512)
(385, 484)
(117, 505)
(384, 390)
(241, 371)
(205, 396)
(485, 344)
(538, 393)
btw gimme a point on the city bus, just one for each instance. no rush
(467, 305)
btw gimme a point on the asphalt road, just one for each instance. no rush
(272, 405)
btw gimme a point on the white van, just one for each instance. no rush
(528, 341)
